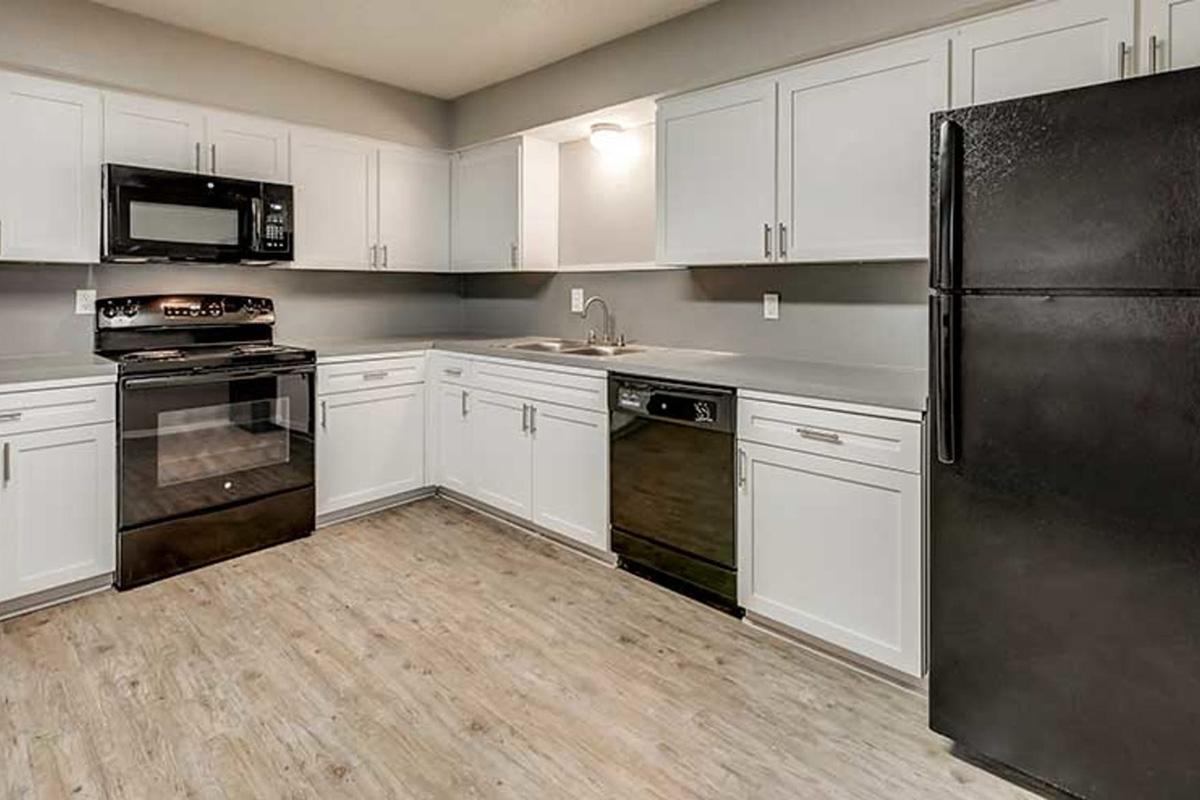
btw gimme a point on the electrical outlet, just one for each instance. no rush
(577, 301)
(770, 305)
(85, 301)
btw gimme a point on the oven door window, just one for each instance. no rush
(205, 443)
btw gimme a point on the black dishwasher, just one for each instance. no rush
(672, 464)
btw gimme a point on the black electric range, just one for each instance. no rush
(216, 431)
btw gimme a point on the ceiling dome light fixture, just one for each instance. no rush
(608, 137)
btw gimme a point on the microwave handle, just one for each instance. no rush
(256, 213)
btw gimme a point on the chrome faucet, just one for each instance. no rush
(606, 333)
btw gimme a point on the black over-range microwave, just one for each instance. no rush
(161, 215)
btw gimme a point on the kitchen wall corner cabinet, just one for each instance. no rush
(336, 214)
(370, 431)
(830, 526)
(162, 134)
(530, 441)
(1043, 47)
(56, 444)
(49, 170)
(505, 206)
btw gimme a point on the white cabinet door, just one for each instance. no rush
(49, 170)
(570, 472)
(834, 550)
(414, 209)
(1043, 47)
(336, 202)
(501, 452)
(854, 152)
(370, 446)
(1171, 34)
(57, 508)
(452, 459)
(486, 193)
(716, 175)
(246, 147)
(146, 132)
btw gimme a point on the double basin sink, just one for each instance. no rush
(572, 347)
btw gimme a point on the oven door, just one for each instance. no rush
(203, 441)
(152, 213)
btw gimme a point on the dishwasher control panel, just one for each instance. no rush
(702, 406)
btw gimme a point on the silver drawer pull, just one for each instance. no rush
(455, 371)
(375, 376)
(10, 416)
(7, 462)
(819, 436)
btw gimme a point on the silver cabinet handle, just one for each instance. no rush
(766, 240)
(374, 256)
(10, 416)
(524, 418)
(1153, 54)
(1122, 57)
(819, 436)
(212, 158)
(741, 468)
(782, 240)
(7, 462)
(197, 156)
(385, 257)
(324, 416)
(512, 255)
(533, 419)
(375, 376)
(464, 402)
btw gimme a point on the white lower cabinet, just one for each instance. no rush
(451, 442)
(570, 472)
(831, 547)
(370, 445)
(501, 453)
(57, 508)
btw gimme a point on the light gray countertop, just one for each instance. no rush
(69, 369)
(887, 387)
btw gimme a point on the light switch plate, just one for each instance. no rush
(85, 301)
(577, 301)
(770, 305)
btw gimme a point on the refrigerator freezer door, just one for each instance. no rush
(1065, 543)
(1087, 189)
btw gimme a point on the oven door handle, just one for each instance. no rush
(212, 377)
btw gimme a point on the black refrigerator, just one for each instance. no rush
(1065, 424)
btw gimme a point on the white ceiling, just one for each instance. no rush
(445, 48)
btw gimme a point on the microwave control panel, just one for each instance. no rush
(277, 219)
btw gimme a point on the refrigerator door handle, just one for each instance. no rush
(948, 247)
(944, 337)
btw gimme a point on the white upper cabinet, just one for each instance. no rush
(505, 206)
(1170, 34)
(49, 170)
(853, 152)
(336, 202)
(716, 175)
(414, 209)
(1043, 47)
(240, 146)
(146, 132)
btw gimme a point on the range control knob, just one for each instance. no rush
(110, 311)
(131, 310)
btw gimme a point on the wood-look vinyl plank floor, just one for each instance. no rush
(431, 652)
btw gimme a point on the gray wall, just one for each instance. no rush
(717, 43)
(92, 43)
(858, 314)
(36, 301)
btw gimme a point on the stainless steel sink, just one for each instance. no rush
(548, 345)
(602, 350)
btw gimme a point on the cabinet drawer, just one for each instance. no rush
(449, 368)
(571, 387)
(851, 437)
(373, 374)
(56, 408)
